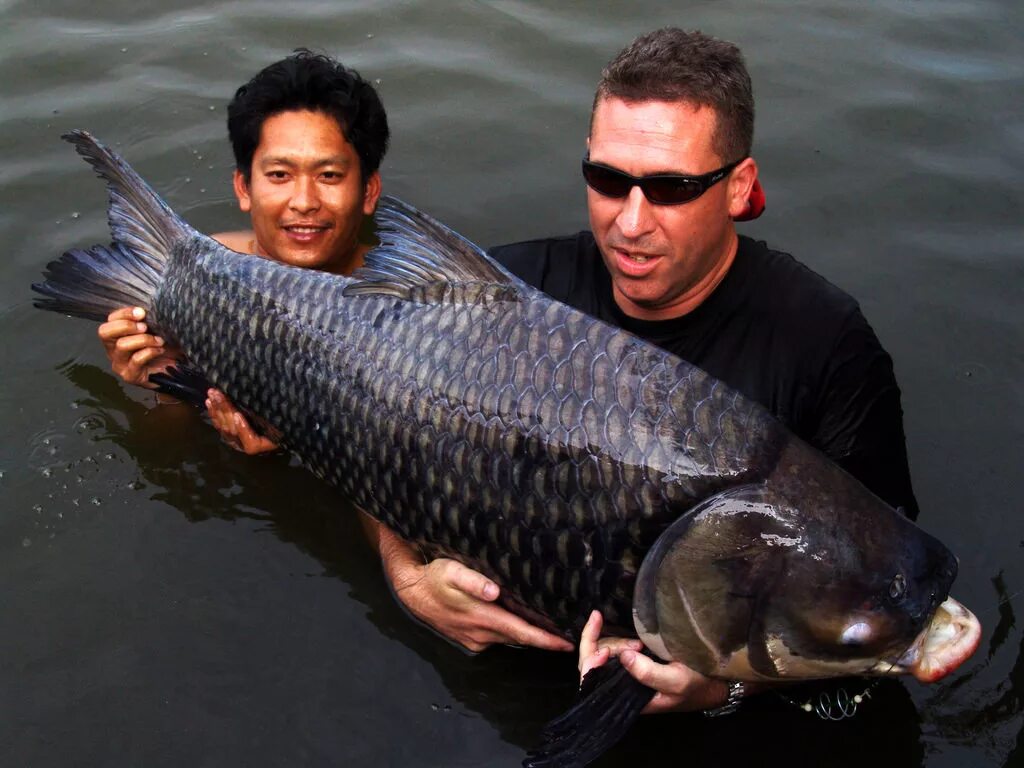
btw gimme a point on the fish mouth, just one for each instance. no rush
(948, 641)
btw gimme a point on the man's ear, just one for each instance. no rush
(241, 191)
(371, 193)
(741, 181)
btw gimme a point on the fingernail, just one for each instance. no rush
(626, 658)
(159, 341)
(490, 590)
(636, 645)
(140, 326)
(138, 313)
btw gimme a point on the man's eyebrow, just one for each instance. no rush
(336, 160)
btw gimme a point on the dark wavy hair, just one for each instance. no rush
(314, 82)
(671, 64)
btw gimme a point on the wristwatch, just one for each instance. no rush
(732, 701)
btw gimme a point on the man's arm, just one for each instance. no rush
(135, 354)
(455, 601)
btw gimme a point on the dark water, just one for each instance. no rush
(166, 602)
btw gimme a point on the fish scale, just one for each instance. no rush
(511, 432)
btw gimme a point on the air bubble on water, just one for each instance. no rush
(75, 502)
(188, 179)
(37, 508)
(26, 542)
(369, 35)
(434, 707)
(199, 157)
(75, 215)
(47, 440)
(202, 190)
(212, 108)
(60, 515)
(108, 456)
(124, 50)
(377, 81)
(74, 405)
(210, 167)
(47, 472)
(135, 485)
(95, 501)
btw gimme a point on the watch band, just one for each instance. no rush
(732, 701)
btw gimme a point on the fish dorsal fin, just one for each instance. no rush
(421, 259)
(138, 218)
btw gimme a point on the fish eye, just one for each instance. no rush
(898, 587)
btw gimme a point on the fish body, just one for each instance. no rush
(577, 465)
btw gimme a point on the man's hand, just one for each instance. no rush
(234, 429)
(134, 354)
(456, 601)
(679, 688)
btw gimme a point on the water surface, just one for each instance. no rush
(169, 602)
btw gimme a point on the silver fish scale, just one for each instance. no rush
(530, 441)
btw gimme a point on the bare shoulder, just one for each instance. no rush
(242, 241)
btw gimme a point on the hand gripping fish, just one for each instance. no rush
(573, 463)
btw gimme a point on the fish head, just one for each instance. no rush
(747, 587)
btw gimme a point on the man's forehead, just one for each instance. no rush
(303, 135)
(670, 131)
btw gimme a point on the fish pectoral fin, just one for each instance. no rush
(419, 252)
(610, 700)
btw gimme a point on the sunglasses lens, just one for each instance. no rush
(666, 191)
(606, 181)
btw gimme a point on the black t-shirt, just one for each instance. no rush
(772, 329)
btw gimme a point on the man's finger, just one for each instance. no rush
(112, 331)
(520, 632)
(127, 313)
(471, 582)
(593, 661)
(591, 633)
(671, 678)
(139, 341)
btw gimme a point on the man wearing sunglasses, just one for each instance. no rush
(668, 170)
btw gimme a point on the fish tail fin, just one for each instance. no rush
(93, 282)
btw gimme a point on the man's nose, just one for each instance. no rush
(635, 217)
(304, 195)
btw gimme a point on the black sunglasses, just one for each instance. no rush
(659, 188)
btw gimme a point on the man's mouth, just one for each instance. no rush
(305, 229)
(635, 263)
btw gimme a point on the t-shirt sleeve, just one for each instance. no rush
(860, 417)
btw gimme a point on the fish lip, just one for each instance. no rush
(950, 638)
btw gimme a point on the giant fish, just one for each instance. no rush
(578, 466)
